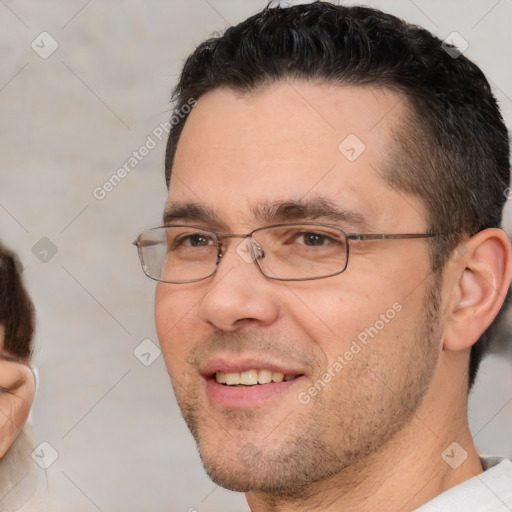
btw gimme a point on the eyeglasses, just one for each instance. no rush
(286, 252)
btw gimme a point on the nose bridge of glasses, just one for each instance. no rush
(248, 249)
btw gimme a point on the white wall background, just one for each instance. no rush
(67, 123)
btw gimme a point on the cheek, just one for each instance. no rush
(346, 313)
(333, 314)
(176, 322)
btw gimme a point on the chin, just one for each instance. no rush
(283, 470)
(241, 478)
(236, 465)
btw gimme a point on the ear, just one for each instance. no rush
(17, 389)
(479, 281)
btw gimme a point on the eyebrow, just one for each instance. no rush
(190, 212)
(276, 212)
(319, 208)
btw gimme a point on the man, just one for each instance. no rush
(311, 379)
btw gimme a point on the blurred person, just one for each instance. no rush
(331, 262)
(17, 386)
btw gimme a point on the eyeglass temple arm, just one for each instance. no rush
(359, 236)
(146, 243)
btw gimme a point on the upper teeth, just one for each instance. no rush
(250, 377)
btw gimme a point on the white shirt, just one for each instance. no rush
(491, 491)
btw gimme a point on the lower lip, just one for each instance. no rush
(231, 397)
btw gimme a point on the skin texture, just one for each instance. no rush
(376, 431)
(16, 396)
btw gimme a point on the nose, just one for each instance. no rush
(238, 294)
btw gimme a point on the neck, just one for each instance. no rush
(405, 473)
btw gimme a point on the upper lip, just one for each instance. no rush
(238, 365)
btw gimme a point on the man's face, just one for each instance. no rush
(358, 350)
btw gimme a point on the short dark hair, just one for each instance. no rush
(452, 150)
(16, 309)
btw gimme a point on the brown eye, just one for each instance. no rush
(314, 239)
(194, 240)
(199, 240)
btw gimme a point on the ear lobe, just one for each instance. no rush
(482, 280)
(17, 389)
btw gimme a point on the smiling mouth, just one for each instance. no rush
(252, 378)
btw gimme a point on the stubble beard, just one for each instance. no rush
(329, 435)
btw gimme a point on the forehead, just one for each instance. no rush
(289, 141)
